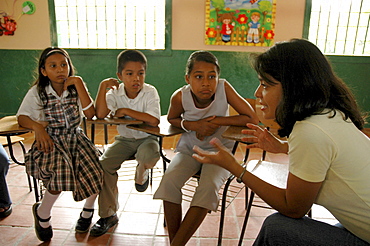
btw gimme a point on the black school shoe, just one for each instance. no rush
(83, 224)
(103, 225)
(6, 212)
(143, 187)
(43, 234)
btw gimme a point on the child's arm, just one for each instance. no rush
(151, 111)
(43, 141)
(101, 106)
(203, 127)
(245, 110)
(86, 101)
(145, 117)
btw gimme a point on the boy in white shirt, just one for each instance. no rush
(132, 98)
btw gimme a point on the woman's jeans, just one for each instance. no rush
(278, 229)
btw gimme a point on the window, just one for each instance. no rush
(110, 24)
(340, 27)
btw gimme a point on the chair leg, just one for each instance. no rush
(29, 182)
(223, 208)
(246, 218)
(224, 194)
(28, 176)
(36, 189)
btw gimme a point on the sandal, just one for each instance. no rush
(6, 212)
(83, 224)
(43, 234)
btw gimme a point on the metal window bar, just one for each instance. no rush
(341, 27)
(102, 24)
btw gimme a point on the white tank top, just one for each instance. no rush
(218, 107)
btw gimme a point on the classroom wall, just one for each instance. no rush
(18, 54)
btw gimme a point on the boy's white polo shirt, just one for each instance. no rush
(147, 101)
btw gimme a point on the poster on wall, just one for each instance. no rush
(240, 22)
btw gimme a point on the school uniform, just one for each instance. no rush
(73, 164)
(129, 143)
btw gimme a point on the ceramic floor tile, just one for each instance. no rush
(161, 230)
(210, 227)
(78, 239)
(12, 235)
(161, 241)
(59, 238)
(20, 217)
(139, 240)
(137, 223)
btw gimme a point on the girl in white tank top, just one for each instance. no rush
(201, 109)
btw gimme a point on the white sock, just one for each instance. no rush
(44, 210)
(89, 203)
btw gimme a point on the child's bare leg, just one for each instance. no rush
(173, 216)
(193, 218)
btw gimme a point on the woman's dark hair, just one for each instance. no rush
(308, 82)
(43, 81)
(130, 56)
(204, 56)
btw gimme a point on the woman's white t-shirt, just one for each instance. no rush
(335, 152)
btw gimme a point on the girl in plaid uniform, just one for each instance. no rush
(61, 156)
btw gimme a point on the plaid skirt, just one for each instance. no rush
(73, 165)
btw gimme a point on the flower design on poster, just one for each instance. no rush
(240, 22)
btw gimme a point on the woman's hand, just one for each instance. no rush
(223, 157)
(264, 139)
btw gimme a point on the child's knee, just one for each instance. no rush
(148, 159)
(109, 167)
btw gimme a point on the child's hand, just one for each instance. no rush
(44, 142)
(73, 80)
(206, 128)
(223, 157)
(121, 112)
(110, 83)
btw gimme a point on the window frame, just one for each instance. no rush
(168, 32)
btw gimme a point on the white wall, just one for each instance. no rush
(33, 31)
(188, 25)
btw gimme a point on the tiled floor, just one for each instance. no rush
(141, 217)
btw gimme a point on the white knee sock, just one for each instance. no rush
(44, 210)
(89, 203)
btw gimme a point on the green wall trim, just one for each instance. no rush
(166, 73)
